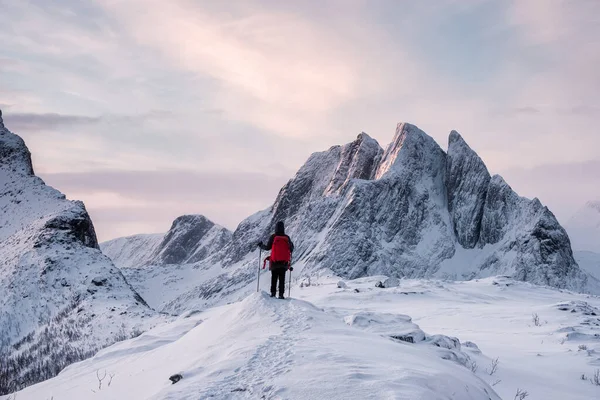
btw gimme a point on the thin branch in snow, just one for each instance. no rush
(100, 379)
(474, 367)
(521, 394)
(595, 379)
(494, 367)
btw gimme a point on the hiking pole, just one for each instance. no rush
(258, 271)
(290, 284)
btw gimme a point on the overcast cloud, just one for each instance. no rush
(147, 109)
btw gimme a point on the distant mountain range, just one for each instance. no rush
(411, 210)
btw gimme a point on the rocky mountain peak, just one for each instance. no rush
(192, 219)
(411, 147)
(455, 137)
(187, 240)
(14, 154)
(358, 160)
(364, 136)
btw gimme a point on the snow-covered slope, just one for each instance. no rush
(161, 267)
(409, 211)
(355, 344)
(132, 251)
(547, 360)
(584, 228)
(61, 298)
(263, 348)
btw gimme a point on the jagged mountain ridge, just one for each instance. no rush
(411, 210)
(161, 267)
(191, 239)
(62, 299)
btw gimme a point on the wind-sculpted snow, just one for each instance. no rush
(61, 298)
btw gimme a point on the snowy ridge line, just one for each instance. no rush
(264, 348)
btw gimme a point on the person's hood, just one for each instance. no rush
(280, 228)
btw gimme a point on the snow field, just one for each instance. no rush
(497, 314)
(263, 348)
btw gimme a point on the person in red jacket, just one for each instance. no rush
(281, 247)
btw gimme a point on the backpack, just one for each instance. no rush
(280, 252)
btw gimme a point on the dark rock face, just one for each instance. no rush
(358, 160)
(13, 151)
(382, 223)
(192, 238)
(500, 208)
(311, 197)
(467, 180)
(77, 227)
(183, 237)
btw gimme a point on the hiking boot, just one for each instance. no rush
(272, 294)
(281, 297)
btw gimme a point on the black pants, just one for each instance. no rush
(278, 274)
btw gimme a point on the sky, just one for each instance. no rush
(150, 109)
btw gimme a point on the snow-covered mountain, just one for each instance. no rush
(584, 228)
(191, 239)
(411, 210)
(61, 298)
(132, 251)
(355, 211)
(161, 267)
